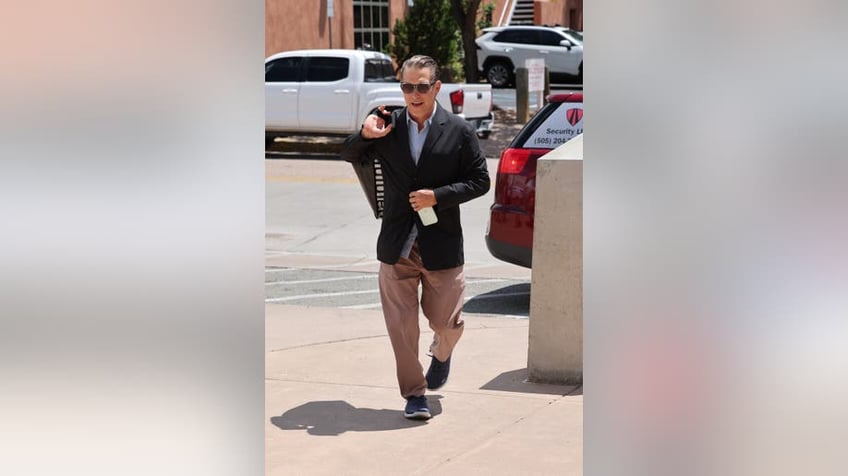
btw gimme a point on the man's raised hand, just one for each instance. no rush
(375, 126)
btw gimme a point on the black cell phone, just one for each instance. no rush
(388, 117)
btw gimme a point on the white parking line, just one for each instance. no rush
(363, 306)
(312, 296)
(301, 267)
(325, 280)
(484, 280)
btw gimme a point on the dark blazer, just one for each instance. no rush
(451, 164)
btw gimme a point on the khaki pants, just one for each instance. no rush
(442, 297)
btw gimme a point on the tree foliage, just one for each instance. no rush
(465, 15)
(430, 29)
(485, 20)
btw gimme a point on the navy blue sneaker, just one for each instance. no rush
(438, 372)
(416, 408)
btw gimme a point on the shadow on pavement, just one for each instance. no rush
(334, 417)
(512, 300)
(516, 381)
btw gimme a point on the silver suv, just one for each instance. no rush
(501, 49)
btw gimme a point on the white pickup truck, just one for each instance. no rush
(331, 92)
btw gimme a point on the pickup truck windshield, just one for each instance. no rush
(379, 71)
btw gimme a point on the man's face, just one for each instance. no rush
(420, 105)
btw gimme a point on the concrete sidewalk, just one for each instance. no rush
(332, 404)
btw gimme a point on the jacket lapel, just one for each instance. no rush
(402, 145)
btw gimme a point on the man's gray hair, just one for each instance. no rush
(421, 61)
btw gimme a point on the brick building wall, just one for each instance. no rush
(303, 24)
(563, 12)
(546, 12)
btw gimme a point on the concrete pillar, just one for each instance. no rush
(555, 353)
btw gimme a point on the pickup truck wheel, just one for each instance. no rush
(499, 74)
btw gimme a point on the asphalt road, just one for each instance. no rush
(318, 223)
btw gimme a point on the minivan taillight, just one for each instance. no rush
(513, 160)
(457, 99)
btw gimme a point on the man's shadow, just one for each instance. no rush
(331, 418)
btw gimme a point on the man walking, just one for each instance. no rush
(431, 162)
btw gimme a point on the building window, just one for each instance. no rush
(371, 24)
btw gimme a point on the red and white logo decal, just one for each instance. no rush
(574, 115)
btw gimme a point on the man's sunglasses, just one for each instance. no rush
(423, 88)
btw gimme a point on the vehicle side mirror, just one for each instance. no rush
(566, 44)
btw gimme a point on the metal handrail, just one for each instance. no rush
(507, 7)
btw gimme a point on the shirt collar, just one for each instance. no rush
(427, 122)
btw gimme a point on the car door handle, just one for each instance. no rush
(544, 52)
(341, 91)
(289, 90)
(507, 50)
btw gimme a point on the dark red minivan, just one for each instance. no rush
(509, 236)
